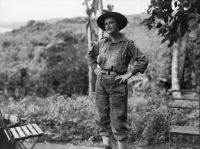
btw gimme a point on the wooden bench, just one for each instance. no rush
(187, 132)
(17, 134)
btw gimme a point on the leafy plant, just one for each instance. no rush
(173, 18)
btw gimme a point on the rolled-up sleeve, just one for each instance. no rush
(139, 57)
(92, 56)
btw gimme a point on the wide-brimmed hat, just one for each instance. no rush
(119, 18)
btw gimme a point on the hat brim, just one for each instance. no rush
(119, 18)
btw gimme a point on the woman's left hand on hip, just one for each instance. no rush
(123, 77)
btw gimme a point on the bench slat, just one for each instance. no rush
(20, 132)
(187, 99)
(26, 131)
(181, 107)
(5, 131)
(32, 130)
(37, 128)
(185, 130)
(14, 133)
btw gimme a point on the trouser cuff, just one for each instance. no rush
(122, 138)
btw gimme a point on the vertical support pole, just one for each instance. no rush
(101, 12)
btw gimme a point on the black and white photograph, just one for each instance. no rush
(99, 74)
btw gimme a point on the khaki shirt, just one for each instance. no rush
(115, 56)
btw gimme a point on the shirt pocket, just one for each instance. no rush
(102, 55)
(115, 57)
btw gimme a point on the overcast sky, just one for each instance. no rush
(25, 10)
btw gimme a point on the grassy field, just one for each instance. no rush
(72, 119)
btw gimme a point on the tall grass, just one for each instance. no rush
(71, 119)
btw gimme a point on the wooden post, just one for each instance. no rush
(100, 13)
(174, 70)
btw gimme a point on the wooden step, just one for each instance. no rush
(185, 130)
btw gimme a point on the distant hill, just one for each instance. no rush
(17, 25)
(7, 27)
(14, 25)
(4, 30)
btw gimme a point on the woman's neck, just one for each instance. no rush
(115, 36)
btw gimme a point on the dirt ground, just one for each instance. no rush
(70, 146)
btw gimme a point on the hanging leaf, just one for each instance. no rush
(159, 25)
(164, 40)
(162, 31)
(176, 16)
(148, 21)
(110, 7)
(150, 27)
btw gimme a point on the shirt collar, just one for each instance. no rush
(121, 38)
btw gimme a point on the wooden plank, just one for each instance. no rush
(32, 130)
(37, 128)
(7, 135)
(14, 133)
(187, 99)
(20, 132)
(26, 131)
(185, 130)
(181, 107)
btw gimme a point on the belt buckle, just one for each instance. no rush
(107, 72)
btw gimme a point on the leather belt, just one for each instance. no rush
(108, 72)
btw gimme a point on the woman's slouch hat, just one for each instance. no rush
(119, 18)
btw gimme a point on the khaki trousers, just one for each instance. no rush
(111, 102)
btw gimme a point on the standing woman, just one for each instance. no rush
(109, 59)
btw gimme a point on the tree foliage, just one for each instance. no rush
(53, 56)
(173, 18)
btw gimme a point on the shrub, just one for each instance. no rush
(148, 119)
(63, 118)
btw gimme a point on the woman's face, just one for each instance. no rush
(111, 26)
